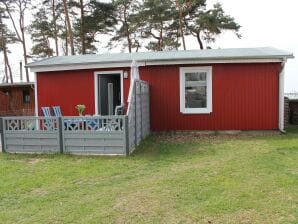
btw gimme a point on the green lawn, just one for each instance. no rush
(180, 179)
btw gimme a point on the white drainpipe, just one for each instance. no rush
(281, 96)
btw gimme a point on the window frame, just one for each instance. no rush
(208, 109)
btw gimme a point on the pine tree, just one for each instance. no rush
(127, 29)
(69, 27)
(206, 25)
(97, 19)
(42, 31)
(158, 23)
(18, 8)
(6, 37)
(53, 9)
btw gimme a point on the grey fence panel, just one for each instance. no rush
(145, 99)
(30, 135)
(94, 135)
(138, 114)
(131, 112)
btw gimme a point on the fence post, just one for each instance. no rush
(126, 135)
(135, 109)
(60, 134)
(2, 129)
(141, 106)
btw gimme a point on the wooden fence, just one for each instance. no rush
(138, 114)
(96, 135)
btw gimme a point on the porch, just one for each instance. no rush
(88, 135)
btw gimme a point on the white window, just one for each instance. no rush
(196, 90)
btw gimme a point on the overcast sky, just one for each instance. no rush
(264, 23)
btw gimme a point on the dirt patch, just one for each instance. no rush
(34, 161)
(210, 137)
(39, 192)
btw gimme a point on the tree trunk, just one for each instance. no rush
(199, 40)
(55, 27)
(160, 40)
(127, 29)
(128, 38)
(21, 37)
(180, 24)
(25, 55)
(22, 28)
(66, 40)
(5, 77)
(82, 28)
(7, 65)
(69, 32)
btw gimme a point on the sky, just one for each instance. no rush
(263, 23)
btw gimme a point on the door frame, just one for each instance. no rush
(96, 90)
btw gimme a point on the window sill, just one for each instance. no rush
(196, 111)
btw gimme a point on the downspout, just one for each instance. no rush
(281, 96)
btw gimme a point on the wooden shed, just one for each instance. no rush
(219, 89)
(17, 99)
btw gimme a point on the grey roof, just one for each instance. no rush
(16, 84)
(209, 54)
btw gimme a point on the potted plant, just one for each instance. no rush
(80, 108)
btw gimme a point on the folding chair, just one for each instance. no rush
(119, 110)
(47, 124)
(57, 111)
(46, 111)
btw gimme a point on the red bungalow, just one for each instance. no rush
(220, 89)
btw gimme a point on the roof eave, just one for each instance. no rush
(3, 85)
(117, 64)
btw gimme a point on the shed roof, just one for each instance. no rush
(16, 84)
(231, 55)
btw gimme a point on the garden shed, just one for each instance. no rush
(214, 89)
(17, 99)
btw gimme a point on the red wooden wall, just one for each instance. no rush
(70, 88)
(11, 101)
(245, 96)
(4, 103)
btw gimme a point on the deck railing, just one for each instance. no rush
(107, 135)
(78, 135)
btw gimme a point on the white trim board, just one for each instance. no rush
(36, 95)
(96, 89)
(67, 67)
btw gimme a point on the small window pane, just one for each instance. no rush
(195, 90)
(26, 96)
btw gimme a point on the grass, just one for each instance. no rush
(170, 179)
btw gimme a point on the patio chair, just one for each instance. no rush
(57, 111)
(119, 110)
(47, 124)
(46, 112)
